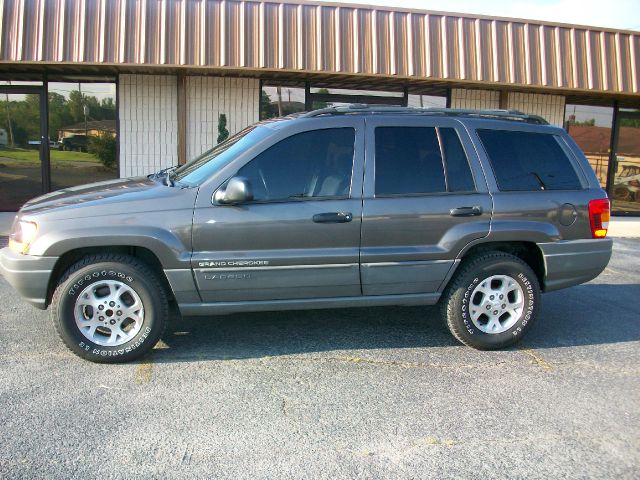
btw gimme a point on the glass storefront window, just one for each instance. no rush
(626, 181)
(20, 160)
(82, 133)
(344, 97)
(427, 101)
(278, 101)
(590, 127)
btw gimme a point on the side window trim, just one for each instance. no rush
(442, 160)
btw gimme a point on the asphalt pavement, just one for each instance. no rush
(332, 394)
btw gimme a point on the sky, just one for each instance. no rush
(623, 14)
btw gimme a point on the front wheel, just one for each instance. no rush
(492, 301)
(109, 308)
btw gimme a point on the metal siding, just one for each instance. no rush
(327, 40)
(348, 40)
(486, 50)
(292, 37)
(365, 41)
(289, 43)
(419, 55)
(534, 57)
(580, 65)
(469, 50)
(518, 58)
(435, 46)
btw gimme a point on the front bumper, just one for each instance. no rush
(28, 275)
(572, 262)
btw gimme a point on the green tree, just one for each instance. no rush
(317, 105)
(76, 106)
(59, 115)
(107, 109)
(265, 106)
(223, 133)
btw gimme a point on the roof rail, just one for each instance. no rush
(365, 108)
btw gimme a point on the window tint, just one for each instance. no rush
(459, 178)
(317, 163)
(408, 161)
(528, 161)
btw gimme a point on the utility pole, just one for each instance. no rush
(12, 142)
(279, 91)
(85, 110)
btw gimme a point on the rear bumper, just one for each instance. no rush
(28, 275)
(572, 262)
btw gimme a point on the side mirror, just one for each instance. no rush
(238, 190)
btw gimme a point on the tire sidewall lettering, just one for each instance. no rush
(120, 350)
(466, 319)
(98, 275)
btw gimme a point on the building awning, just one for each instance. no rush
(300, 38)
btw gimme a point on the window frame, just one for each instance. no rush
(281, 130)
(436, 126)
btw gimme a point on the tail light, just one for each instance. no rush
(599, 211)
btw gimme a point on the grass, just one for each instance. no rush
(34, 155)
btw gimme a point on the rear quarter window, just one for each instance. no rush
(526, 161)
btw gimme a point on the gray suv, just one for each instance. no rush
(479, 211)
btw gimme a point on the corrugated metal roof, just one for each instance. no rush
(320, 38)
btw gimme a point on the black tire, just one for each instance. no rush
(129, 272)
(457, 300)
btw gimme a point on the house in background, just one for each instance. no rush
(91, 129)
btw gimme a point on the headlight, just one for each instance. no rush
(23, 234)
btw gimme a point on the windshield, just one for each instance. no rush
(202, 167)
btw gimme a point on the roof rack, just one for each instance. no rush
(515, 115)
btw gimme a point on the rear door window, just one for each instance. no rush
(527, 161)
(408, 161)
(413, 160)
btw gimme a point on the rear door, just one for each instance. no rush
(424, 200)
(300, 237)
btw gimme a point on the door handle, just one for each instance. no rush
(333, 217)
(466, 211)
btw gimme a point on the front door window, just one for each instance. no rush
(314, 164)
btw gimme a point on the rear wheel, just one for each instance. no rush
(492, 301)
(109, 308)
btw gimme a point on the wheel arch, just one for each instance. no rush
(528, 252)
(70, 257)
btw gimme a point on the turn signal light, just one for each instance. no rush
(599, 212)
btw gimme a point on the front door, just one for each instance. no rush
(299, 237)
(423, 202)
(624, 175)
(23, 147)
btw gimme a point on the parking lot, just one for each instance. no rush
(362, 393)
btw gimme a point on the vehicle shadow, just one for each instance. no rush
(585, 315)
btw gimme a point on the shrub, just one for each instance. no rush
(104, 148)
(223, 133)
